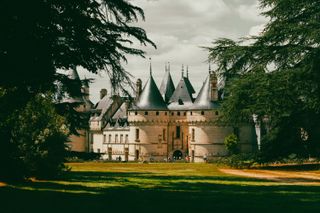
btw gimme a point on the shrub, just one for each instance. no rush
(231, 144)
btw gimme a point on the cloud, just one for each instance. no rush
(180, 27)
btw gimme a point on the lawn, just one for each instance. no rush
(120, 187)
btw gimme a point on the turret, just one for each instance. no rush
(103, 93)
(213, 86)
(138, 88)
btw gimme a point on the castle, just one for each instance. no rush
(161, 124)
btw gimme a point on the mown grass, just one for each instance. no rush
(105, 187)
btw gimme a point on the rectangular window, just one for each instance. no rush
(104, 138)
(98, 150)
(135, 113)
(178, 132)
(202, 112)
(192, 135)
(121, 138)
(164, 135)
(127, 139)
(145, 113)
(109, 140)
(137, 134)
(116, 140)
(157, 113)
(178, 113)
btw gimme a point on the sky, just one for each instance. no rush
(180, 28)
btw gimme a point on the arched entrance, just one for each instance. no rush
(177, 155)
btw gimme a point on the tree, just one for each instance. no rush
(42, 36)
(276, 75)
(37, 140)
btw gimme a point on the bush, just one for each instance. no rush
(35, 146)
(231, 144)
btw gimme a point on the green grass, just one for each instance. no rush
(105, 187)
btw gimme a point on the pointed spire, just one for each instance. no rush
(167, 86)
(187, 71)
(73, 74)
(182, 71)
(150, 98)
(150, 67)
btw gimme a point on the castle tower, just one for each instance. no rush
(138, 88)
(213, 86)
(167, 86)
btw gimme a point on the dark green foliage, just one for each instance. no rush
(231, 143)
(37, 141)
(38, 38)
(276, 77)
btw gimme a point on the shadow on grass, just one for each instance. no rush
(129, 192)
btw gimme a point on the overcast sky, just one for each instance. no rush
(179, 28)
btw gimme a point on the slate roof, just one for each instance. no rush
(183, 91)
(150, 98)
(203, 100)
(167, 86)
(73, 74)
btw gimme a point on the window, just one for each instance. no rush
(126, 139)
(165, 113)
(116, 140)
(185, 113)
(192, 134)
(104, 139)
(178, 132)
(109, 140)
(164, 135)
(202, 112)
(136, 113)
(98, 150)
(172, 113)
(217, 113)
(157, 113)
(178, 113)
(191, 113)
(145, 113)
(121, 138)
(137, 134)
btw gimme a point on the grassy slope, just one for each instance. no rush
(93, 187)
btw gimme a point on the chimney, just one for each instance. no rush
(138, 88)
(103, 92)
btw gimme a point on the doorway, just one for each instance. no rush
(177, 155)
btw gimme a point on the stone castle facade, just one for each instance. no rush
(158, 125)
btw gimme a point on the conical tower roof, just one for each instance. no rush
(183, 91)
(203, 100)
(73, 74)
(167, 86)
(150, 98)
(182, 96)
